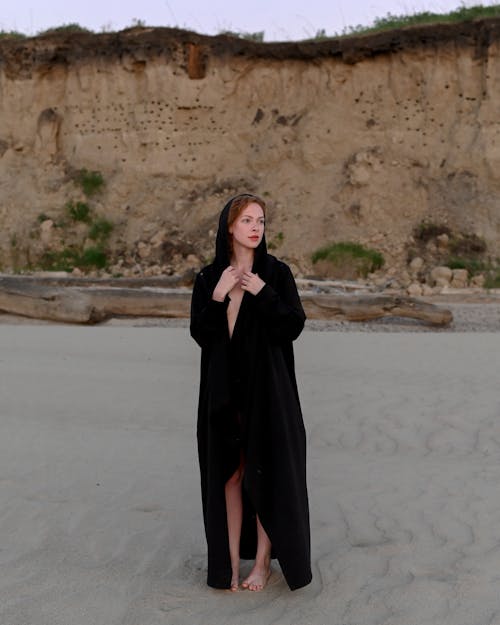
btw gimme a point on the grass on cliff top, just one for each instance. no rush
(393, 22)
(11, 34)
(389, 22)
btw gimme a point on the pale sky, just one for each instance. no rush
(279, 19)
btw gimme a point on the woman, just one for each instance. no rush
(245, 313)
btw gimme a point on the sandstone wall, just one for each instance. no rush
(359, 140)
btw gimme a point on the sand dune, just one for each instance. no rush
(100, 514)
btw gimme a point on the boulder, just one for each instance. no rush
(443, 241)
(460, 278)
(478, 280)
(157, 239)
(143, 249)
(441, 276)
(414, 290)
(416, 264)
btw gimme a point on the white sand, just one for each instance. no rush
(100, 513)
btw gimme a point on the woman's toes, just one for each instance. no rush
(256, 581)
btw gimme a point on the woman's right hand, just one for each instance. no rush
(228, 280)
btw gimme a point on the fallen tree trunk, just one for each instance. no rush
(93, 304)
(366, 308)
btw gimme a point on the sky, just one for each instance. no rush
(279, 19)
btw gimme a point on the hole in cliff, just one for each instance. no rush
(258, 116)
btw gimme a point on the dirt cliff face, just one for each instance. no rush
(356, 139)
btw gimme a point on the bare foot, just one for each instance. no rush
(235, 584)
(258, 578)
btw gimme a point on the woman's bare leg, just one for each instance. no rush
(234, 508)
(261, 571)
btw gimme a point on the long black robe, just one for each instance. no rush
(249, 402)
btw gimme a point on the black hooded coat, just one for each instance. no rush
(249, 402)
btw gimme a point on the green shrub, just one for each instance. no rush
(100, 230)
(492, 279)
(257, 37)
(349, 258)
(65, 260)
(71, 257)
(79, 211)
(11, 34)
(473, 265)
(65, 28)
(90, 181)
(93, 257)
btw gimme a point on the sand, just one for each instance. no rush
(100, 512)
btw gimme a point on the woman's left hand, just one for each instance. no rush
(251, 282)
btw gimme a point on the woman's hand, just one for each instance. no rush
(251, 282)
(228, 280)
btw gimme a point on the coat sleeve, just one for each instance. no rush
(280, 307)
(208, 317)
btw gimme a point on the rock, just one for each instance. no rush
(416, 264)
(443, 241)
(363, 165)
(153, 270)
(415, 289)
(77, 272)
(294, 269)
(46, 229)
(157, 239)
(460, 278)
(143, 249)
(478, 280)
(192, 261)
(427, 290)
(405, 279)
(441, 276)
(381, 282)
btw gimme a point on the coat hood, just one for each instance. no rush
(222, 259)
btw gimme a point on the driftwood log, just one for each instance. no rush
(91, 303)
(368, 307)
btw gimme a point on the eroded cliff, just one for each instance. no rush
(356, 139)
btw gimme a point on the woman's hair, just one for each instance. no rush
(238, 205)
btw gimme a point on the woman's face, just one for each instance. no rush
(248, 228)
